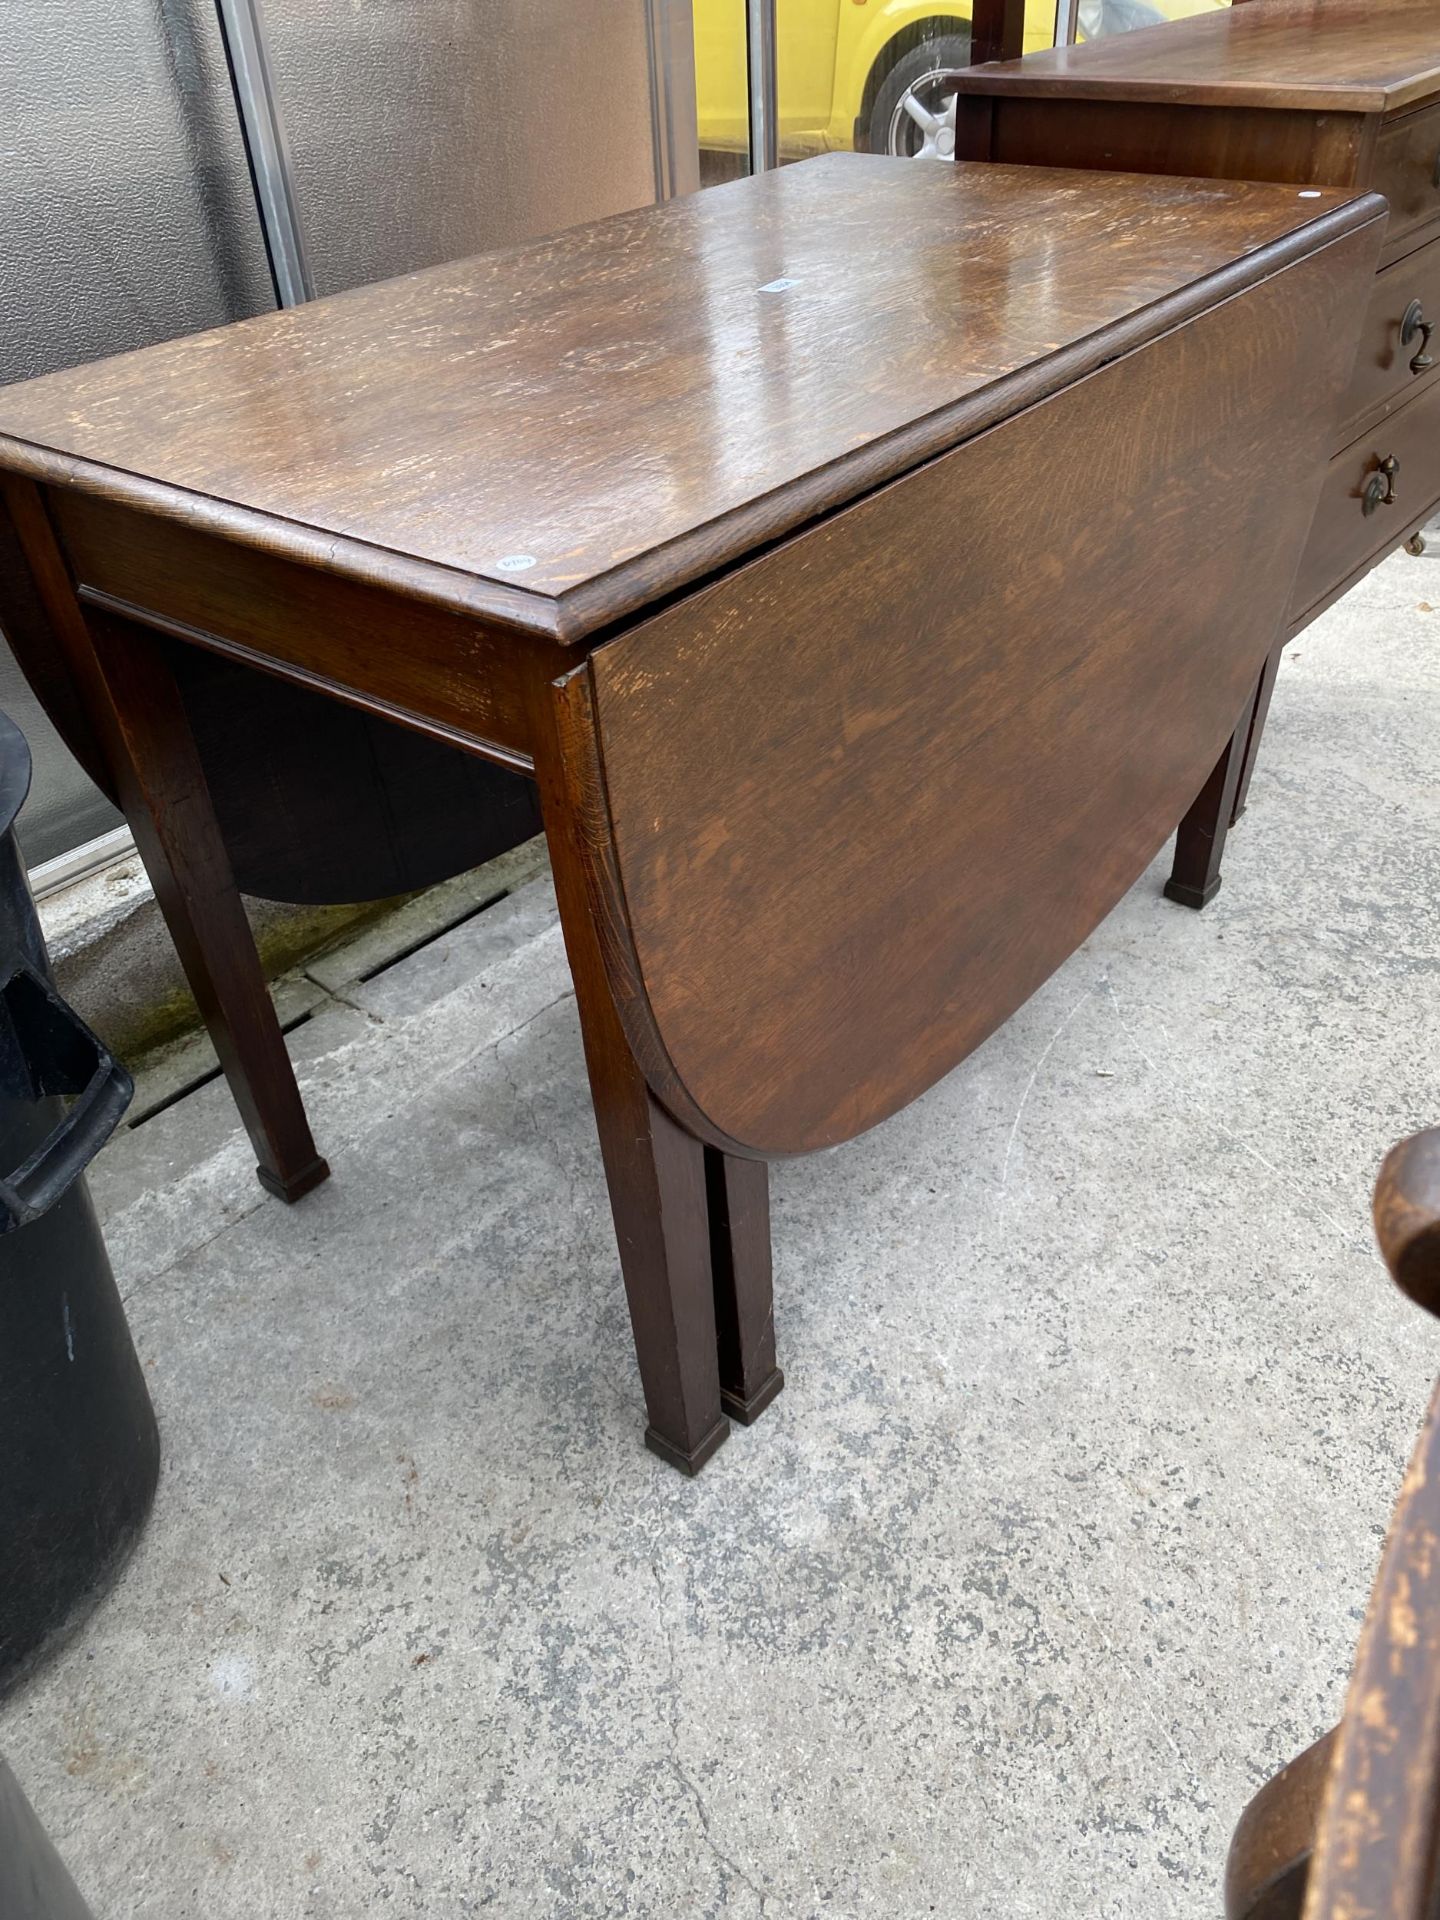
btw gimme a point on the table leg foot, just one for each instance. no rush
(294, 1186)
(688, 1463)
(1188, 896)
(747, 1412)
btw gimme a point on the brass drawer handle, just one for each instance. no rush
(1380, 487)
(1413, 323)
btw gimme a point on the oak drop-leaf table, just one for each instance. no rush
(869, 561)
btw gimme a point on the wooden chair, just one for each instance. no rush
(1351, 1829)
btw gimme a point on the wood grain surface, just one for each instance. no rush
(862, 796)
(436, 669)
(314, 803)
(1345, 539)
(635, 403)
(1348, 56)
(1384, 376)
(1312, 92)
(1200, 143)
(1407, 171)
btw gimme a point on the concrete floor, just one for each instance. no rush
(1055, 1545)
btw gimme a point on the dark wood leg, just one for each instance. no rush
(141, 730)
(167, 803)
(1200, 846)
(739, 1193)
(1257, 728)
(656, 1175)
(655, 1170)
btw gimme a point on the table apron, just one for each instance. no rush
(453, 677)
(299, 676)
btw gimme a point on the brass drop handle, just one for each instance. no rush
(1380, 487)
(1415, 322)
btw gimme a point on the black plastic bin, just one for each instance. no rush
(79, 1450)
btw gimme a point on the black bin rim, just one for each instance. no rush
(15, 771)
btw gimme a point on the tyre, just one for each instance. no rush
(913, 113)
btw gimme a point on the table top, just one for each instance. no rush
(558, 434)
(1356, 56)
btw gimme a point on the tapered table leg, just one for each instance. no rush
(168, 806)
(656, 1176)
(655, 1170)
(1200, 845)
(739, 1194)
(139, 721)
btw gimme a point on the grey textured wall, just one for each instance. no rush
(420, 130)
(125, 218)
(425, 130)
(127, 212)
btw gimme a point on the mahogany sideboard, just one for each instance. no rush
(805, 542)
(1316, 93)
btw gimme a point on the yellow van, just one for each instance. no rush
(871, 73)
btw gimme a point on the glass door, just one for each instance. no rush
(780, 80)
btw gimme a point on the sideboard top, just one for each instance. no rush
(561, 433)
(1346, 56)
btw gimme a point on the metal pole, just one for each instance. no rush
(1067, 22)
(670, 37)
(242, 31)
(764, 93)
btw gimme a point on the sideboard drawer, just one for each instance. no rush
(1407, 171)
(1384, 366)
(1343, 536)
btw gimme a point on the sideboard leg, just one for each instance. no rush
(1200, 846)
(739, 1192)
(167, 803)
(1257, 728)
